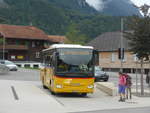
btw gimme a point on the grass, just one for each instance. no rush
(35, 68)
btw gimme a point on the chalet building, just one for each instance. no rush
(23, 43)
(107, 44)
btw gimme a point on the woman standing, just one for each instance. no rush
(122, 87)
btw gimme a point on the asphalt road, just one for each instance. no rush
(22, 74)
(135, 110)
(34, 75)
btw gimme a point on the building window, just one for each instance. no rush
(46, 44)
(37, 43)
(99, 56)
(27, 43)
(13, 57)
(135, 58)
(17, 42)
(125, 58)
(37, 55)
(113, 57)
(33, 44)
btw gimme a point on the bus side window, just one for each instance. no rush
(47, 61)
(53, 60)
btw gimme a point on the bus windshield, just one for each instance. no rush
(73, 60)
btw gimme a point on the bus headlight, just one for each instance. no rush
(90, 86)
(58, 86)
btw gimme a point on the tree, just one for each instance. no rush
(140, 37)
(139, 41)
(74, 36)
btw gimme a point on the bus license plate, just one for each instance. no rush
(75, 84)
(75, 91)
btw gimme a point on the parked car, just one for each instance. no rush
(100, 75)
(3, 69)
(10, 65)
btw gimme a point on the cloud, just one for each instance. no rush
(141, 2)
(97, 4)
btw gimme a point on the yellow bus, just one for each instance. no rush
(68, 69)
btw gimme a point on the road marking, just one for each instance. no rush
(53, 96)
(58, 101)
(14, 93)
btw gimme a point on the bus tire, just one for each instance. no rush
(52, 92)
(43, 83)
(83, 94)
(106, 80)
(44, 87)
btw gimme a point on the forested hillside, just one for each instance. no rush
(59, 17)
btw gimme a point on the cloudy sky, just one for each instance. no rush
(141, 2)
(99, 5)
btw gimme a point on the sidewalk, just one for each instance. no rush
(108, 103)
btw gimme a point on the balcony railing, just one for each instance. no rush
(14, 47)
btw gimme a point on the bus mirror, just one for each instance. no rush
(57, 54)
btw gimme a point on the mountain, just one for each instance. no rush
(107, 7)
(39, 13)
(74, 5)
(120, 8)
(61, 17)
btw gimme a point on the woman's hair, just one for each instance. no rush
(120, 73)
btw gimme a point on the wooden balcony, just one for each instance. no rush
(14, 47)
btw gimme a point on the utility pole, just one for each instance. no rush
(136, 78)
(121, 46)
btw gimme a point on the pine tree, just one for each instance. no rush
(139, 41)
(139, 38)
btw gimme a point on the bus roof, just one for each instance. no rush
(67, 46)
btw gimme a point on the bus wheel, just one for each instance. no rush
(52, 92)
(83, 94)
(44, 87)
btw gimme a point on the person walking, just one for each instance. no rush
(122, 87)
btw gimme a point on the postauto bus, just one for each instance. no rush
(68, 69)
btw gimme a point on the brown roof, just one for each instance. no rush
(109, 41)
(58, 39)
(22, 32)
